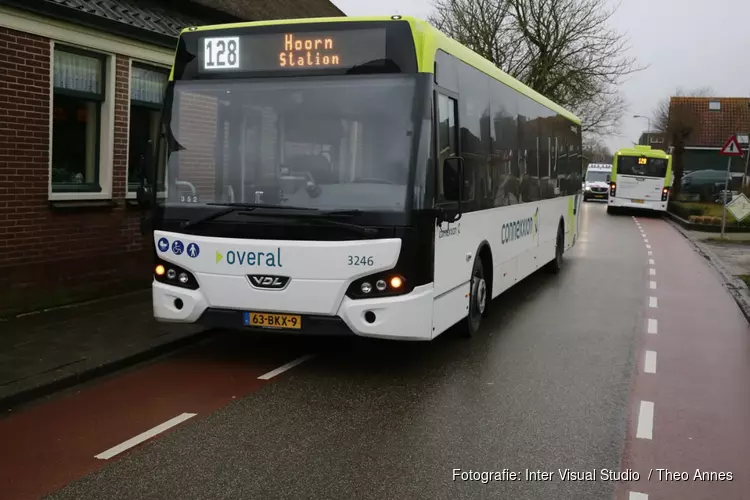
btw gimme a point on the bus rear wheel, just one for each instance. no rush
(478, 300)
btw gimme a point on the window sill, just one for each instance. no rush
(73, 196)
(132, 196)
(82, 205)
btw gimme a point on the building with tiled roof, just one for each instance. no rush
(712, 120)
(81, 83)
(653, 138)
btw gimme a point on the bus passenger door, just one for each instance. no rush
(451, 266)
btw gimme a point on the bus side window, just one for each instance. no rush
(447, 140)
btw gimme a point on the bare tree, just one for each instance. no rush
(563, 49)
(596, 151)
(679, 123)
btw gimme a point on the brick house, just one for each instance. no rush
(80, 87)
(712, 120)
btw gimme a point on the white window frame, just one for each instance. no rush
(93, 41)
(106, 128)
(130, 195)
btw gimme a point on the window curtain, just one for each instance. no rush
(147, 85)
(77, 72)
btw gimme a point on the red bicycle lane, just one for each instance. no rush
(49, 444)
(689, 409)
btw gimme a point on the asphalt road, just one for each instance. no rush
(545, 388)
(554, 382)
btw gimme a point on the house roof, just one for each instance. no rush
(160, 21)
(714, 126)
(256, 10)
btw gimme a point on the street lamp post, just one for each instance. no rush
(648, 132)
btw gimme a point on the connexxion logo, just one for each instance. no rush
(512, 231)
(251, 258)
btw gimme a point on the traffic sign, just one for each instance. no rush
(731, 147)
(739, 207)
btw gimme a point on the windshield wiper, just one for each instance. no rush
(364, 230)
(236, 207)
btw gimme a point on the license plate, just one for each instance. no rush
(637, 201)
(271, 320)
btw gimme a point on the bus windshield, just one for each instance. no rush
(642, 166)
(325, 143)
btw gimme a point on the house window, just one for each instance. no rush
(714, 105)
(78, 96)
(147, 85)
(655, 139)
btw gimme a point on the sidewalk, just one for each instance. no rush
(730, 258)
(49, 351)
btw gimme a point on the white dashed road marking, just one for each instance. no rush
(653, 326)
(648, 246)
(652, 285)
(645, 421)
(650, 362)
(653, 302)
(106, 455)
(651, 261)
(283, 368)
(634, 495)
(652, 271)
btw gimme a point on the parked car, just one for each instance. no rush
(707, 184)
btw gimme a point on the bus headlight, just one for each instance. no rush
(387, 283)
(170, 274)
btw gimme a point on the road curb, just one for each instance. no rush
(735, 286)
(46, 389)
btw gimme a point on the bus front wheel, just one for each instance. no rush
(556, 265)
(478, 300)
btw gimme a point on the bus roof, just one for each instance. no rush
(642, 151)
(427, 39)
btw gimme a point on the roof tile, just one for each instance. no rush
(715, 127)
(166, 18)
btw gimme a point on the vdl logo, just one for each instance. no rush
(267, 282)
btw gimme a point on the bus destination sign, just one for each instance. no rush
(341, 49)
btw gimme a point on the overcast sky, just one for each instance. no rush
(684, 43)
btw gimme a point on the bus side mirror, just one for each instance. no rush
(144, 193)
(453, 178)
(453, 183)
(144, 196)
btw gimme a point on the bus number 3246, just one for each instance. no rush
(361, 260)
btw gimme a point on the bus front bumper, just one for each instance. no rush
(405, 317)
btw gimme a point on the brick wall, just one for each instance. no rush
(50, 256)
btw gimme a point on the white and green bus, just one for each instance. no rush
(641, 178)
(367, 176)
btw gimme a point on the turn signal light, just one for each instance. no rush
(171, 274)
(664, 194)
(612, 188)
(396, 282)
